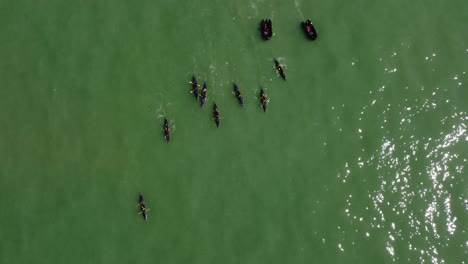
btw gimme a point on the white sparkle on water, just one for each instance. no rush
(403, 185)
(390, 249)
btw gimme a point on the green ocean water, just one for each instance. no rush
(360, 158)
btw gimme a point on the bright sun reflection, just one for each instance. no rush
(404, 190)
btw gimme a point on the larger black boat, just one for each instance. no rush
(309, 29)
(266, 29)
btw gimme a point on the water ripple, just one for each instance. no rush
(405, 186)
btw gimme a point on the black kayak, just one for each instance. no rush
(143, 209)
(309, 29)
(238, 95)
(279, 68)
(266, 29)
(263, 100)
(167, 130)
(203, 95)
(216, 114)
(194, 87)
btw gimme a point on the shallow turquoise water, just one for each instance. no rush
(360, 158)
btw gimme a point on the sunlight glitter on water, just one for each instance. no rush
(403, 188)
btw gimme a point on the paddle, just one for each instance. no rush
(237, 95)
(147, 210)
